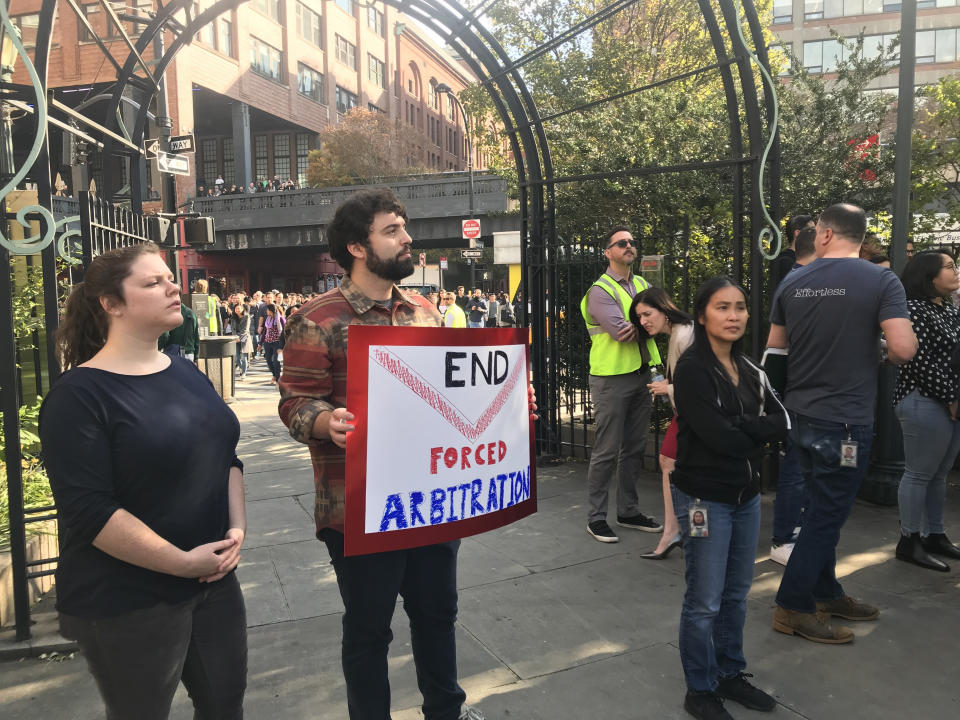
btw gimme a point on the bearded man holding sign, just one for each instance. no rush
(390, 506)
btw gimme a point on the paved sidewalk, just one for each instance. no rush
(553, 625)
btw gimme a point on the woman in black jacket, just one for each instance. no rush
(726, 413)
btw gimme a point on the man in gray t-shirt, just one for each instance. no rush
(830, 315)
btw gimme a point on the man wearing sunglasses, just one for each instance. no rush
(619, 373)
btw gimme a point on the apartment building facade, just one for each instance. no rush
(259, 84)
(805, 27)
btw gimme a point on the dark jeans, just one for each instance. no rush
(426, 577)
(791, 496)
(270, 350)
(719, 572)
(139, 658)
(810, 574)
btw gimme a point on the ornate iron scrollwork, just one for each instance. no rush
(35, 243)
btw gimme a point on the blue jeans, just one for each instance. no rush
(931, 441)
(719, 572)
(241, 359)
(791, 496)
(810, 575)
(270, 350)
(478, 324)
(426, 578)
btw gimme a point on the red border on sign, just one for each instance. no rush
(359, 340)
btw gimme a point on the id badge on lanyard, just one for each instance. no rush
(699, 520)
(848, 451)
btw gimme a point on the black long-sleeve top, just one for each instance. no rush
(159, 446)
(938, 332)
(720, 429)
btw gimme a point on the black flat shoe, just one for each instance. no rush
(666, 551)
(910, 550)
(939, 544)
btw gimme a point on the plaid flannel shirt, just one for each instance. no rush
(314, 377)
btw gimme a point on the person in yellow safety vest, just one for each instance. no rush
(451, 312)
(619, 374)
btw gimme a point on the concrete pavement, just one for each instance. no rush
(552, 623)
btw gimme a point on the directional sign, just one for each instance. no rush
(179, 144)
(151, 146)
(443, 263)
(173, 164)
(475, 254)
(471, 229)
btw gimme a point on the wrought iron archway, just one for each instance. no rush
(499, 73)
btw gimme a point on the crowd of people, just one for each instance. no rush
(260, 185)
(154, 523)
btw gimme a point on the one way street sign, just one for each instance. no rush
(173, 164)
(179, 144)
(151, 146)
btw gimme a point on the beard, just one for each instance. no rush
(393, 269)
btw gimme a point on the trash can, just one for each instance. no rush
(215, 359)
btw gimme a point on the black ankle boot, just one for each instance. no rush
(910, 550)
(939, 544)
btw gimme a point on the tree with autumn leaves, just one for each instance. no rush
(364, 146)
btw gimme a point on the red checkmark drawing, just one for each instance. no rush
(438, 401)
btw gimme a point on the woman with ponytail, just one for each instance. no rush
(152, 518)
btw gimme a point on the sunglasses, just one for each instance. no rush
(621, 244)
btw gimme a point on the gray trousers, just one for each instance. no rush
(622, 405)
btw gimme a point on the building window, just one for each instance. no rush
(229, 165)
(28, 25)
(98, 20)
(225, 41)
(451, 111)
(281, 156)
(374, 108)
(304, 146)
(266, 59)
(346, 53)
(270, 8)
(376, 71)
(208, 33)
(433, 99)
(946, 42)
(260, 156)
(309, 26)
(346, 101)
(779, 56)
(821, 56)
(375, 21)
(347, 6)
(208, 154)
(310, 83)
(782, 11)
(813, 10)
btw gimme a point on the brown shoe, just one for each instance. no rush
(812, 626)
(849, 609)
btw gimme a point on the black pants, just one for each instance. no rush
(139, 658)
(270, 350)
(426, 577)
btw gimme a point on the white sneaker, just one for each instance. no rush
(470, 713)
(781, 553)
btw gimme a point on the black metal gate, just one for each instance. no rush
(559, 259)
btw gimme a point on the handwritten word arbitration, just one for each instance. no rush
(457, 502)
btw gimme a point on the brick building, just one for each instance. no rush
(259, 84)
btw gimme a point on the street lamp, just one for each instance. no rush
(448, 91)
(8, 58)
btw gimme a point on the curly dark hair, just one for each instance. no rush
(353, 219)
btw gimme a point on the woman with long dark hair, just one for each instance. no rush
(726, 413)
(926, 404)
(653, 313)
(240, 325)
(272, 340)
(151, 514)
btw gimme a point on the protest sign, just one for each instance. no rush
(443, 445)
